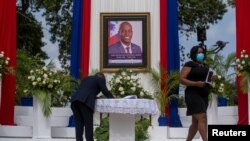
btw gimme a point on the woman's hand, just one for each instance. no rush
(200, 83)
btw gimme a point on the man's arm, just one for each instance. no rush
(104, 89)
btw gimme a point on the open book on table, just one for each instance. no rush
(130, 97)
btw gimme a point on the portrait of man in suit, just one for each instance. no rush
(124, 50)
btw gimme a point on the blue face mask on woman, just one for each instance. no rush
(200, 57)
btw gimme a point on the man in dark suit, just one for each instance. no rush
(83, 104)
(124, 46)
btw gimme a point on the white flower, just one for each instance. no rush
(123, 73)
(133, 88)
(39, 79)
(120, 89)
(122, 93)
(243, 62)
(6, 62)
(243, 51)
(237, 60)
(34, 83)
(141, 94)
(246, 56)
(50, 86)
(221, 90)
(45, 75)
(219, 77)
(221, 84)
(117, 80)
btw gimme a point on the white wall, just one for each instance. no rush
(151, 6)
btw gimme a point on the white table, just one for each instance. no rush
(122, 115)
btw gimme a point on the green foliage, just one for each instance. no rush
(67, 86)
(30, 42)
(224, 83)
(58, 15)
(165, 83)
(102, 131)
(24, 63)
(45, 98)
(125, 82)
(194, 13)
(141, 130)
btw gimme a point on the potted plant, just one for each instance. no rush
(4, 69)
(223, 89)
(25, 63)
(224, 84)
(164, 84)
(42, 84)
(4, 62)
(243, 65)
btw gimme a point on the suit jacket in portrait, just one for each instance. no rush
(117, 48)
(89, 88)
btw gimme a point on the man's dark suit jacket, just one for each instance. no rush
(89, 88)
(117, 48)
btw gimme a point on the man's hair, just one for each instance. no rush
(100, 74)
(123, 23)
(194, 51)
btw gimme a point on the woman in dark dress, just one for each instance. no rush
(193, 75)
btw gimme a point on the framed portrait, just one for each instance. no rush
(125, 41)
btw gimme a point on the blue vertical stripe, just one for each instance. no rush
(76, 39)
(173, 38)
(173, 56)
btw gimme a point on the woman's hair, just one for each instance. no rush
(194, 51)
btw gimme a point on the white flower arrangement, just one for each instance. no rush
(243, 63)
(4, 62)
(42, 84)
(44, 79)
(124, 82)
(218, 86)
(243, 69)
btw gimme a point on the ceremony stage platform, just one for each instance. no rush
(60, 131)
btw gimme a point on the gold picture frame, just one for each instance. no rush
(113, 55)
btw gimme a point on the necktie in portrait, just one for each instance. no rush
(127, 50)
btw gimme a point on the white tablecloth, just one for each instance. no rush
(127, 106)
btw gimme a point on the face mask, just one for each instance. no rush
(200, 57)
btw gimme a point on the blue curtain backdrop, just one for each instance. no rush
(76, 37)
(173, 57)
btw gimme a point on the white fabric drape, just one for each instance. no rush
(127, 106)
